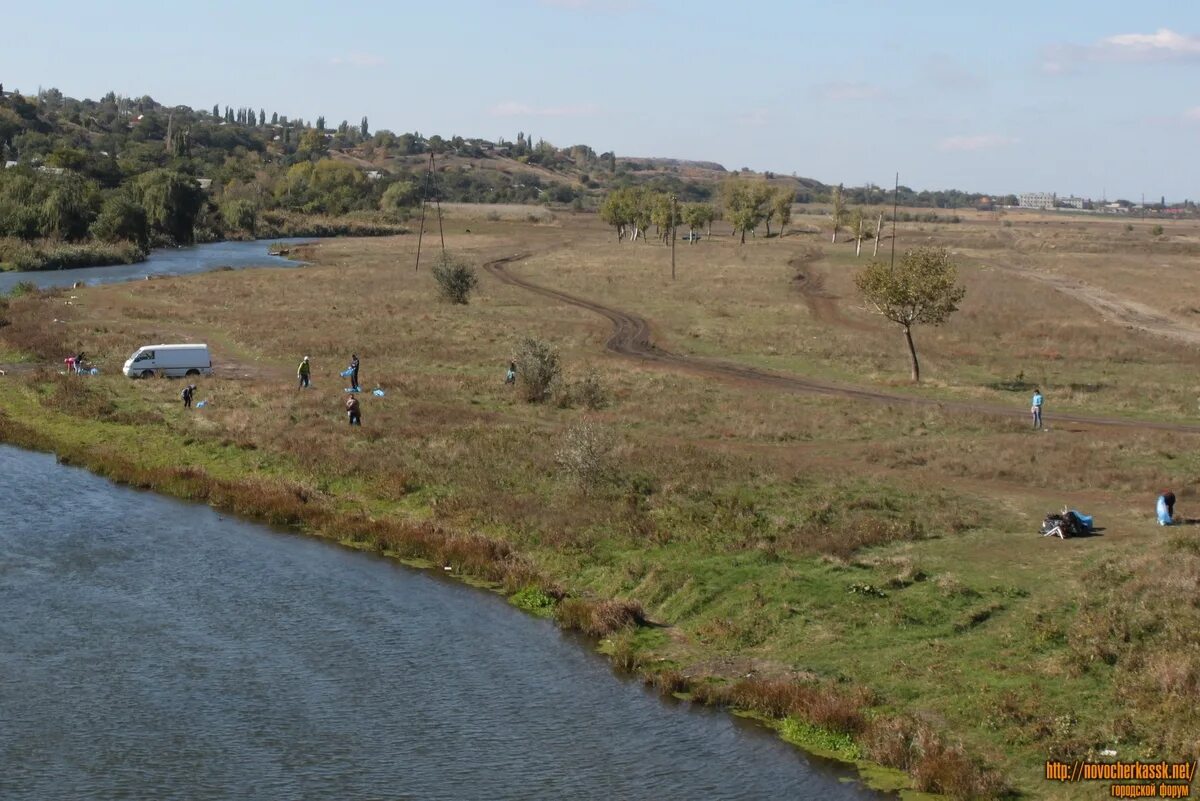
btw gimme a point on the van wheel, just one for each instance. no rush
(147, 374)
(192, 372)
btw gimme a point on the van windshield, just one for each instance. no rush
(146, 355)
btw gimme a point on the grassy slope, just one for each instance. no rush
(728, 512)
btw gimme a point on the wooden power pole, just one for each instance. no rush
(673, 226)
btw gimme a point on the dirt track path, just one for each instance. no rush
(631, 338)
(1111, 307)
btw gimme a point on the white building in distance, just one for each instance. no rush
(1037, 200)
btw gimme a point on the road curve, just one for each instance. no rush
(631, 338)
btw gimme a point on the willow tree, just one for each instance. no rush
(922, 289)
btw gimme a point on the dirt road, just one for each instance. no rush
(631, 338)
(1111, 307)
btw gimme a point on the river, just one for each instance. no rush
(164, 261)
(151, 648)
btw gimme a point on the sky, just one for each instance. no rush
(1098, 99)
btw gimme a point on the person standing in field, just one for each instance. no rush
(187, 394)
(354, 410)
(511, 376)
(354, 371)
(1036, 408)
(302, 373)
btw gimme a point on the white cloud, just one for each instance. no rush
(357, 60)
(975, 142)
(849, 90)
(513, 109)
(1162, 45)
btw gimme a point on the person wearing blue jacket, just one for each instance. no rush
(1036, 408)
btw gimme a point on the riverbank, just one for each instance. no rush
(19, 255)
(815, 715)
(845, 565)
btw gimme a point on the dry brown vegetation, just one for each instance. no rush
(887, 548)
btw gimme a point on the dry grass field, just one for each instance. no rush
(884, 548)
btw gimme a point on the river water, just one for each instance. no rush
(155, 649)
(165, 261)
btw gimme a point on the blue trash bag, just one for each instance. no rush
(377, 392)
(201, 404)
(1164, 513)
(1085, 519)
(346, 373)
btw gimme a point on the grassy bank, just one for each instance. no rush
(274, 224)
(865, 576)
(23, 255)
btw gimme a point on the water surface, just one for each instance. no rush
(163, 261)
(155, 649)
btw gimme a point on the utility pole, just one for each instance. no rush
(895, 207)
(1143, 206)
(672, 237)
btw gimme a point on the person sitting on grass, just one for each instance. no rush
(354, 410)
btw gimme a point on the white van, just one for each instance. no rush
(168, 360)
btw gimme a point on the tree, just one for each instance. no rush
(745, 204)
(320, 123)
(856, 230)
(399, 195)
(312, 144)
(697, 215)
(664, 214)
(262, 117)
(362, 128)
(617, 210)
(216, 111)
(922, 289)
(122, 218)
(781, 203)
(274, 117)
(240, 215)
(839, 211)
(69, 209)
(172, 201)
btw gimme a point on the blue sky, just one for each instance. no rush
(1089, 98)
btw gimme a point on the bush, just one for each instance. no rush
(1156, 230)
(584, 454)
(589, 392)
(538, 369)
(456, 279)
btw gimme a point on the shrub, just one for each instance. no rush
(538, 369)
(599, 618)
(1156, 230)
(456, 279)
(584, 454)
(589, 392)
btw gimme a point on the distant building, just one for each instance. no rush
(374, 175)
(1037, 200)
(205, 183)
(8, 164)
(1072, 202)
